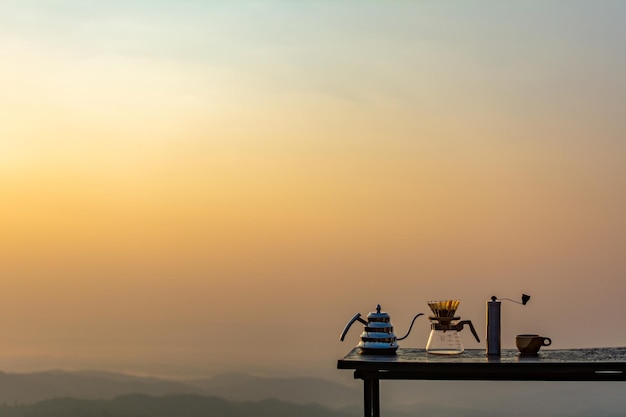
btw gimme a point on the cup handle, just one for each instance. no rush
(546, 341)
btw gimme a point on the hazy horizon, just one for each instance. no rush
(194, 187)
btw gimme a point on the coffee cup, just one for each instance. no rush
(529, 344)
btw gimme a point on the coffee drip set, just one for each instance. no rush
(378, 337)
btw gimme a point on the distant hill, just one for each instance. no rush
(139, 405)
(398, 398)
(242, 387)
(33, 387)
(189, 405)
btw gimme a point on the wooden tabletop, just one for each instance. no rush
(596, 364)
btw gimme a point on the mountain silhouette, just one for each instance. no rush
(32, 387)
(187, 405)
(242, 387)
(52, 390)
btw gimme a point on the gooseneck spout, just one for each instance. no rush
(410, 327)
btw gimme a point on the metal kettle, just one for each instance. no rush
(377, 337)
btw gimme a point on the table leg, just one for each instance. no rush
(371, 397)
(376, 398)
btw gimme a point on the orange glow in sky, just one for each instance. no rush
(196, 188)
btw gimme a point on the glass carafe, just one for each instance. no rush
(444, 342)
(444, 334)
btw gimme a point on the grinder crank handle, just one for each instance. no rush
(471, 326)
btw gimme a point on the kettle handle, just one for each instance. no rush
(471, 326)
(356, 317)
(410, 327)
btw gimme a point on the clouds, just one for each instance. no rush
(349, 50)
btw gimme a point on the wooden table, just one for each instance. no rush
(599, 364)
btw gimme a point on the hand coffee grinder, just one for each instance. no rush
(493, 323)
(444, 334)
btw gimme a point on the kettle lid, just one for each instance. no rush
(377, 315)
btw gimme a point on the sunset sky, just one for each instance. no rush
(193, 187)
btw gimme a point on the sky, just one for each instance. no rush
(196, 187)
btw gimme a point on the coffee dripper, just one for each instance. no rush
(445, 327)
